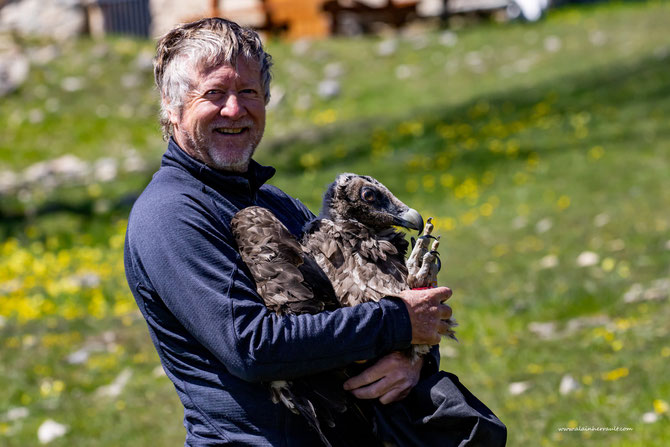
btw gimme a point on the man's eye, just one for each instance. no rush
(248, 91)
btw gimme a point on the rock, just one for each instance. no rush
(16, 413)
(43, 55)
(552, 44)
(115, 388)
(131, 80)
(579, 323)
(69, 166)
(14, 69)
(78, 357)
(544, 330)
(516, 388)
(601, 220)
(158, 372)
(8, 181)
(301, 47)
(404, 71)
(58, 19)
(333, 70)
(543, 225)
(133, 162)
(328, 89)
(448, 351)
(448, 39)
(303, 102)
(50, 430)
(387, 47)
(277, 94)
(145, 61)
(72, 84)
(549, 262)
(597, 38)
(105, 169)
(658, 290)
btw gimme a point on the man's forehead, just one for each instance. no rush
(242, 66)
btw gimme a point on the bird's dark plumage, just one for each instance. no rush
(349, 255)
(288, 280)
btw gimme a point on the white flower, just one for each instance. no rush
(649, 417)
(50, 430)
(587, 259)
(568, 385)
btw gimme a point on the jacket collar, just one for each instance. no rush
(251, 180)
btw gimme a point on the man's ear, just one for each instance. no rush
(173, 113)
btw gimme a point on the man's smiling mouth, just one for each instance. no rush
(230, 130)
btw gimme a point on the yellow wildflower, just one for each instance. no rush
(660, 406)
(615, 374)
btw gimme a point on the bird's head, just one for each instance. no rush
(364, 199)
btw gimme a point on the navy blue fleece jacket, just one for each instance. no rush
(215, 338)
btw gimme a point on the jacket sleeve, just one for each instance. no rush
(189, 259)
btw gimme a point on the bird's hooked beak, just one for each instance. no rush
(410, 219)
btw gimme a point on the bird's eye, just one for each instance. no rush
(368, 195)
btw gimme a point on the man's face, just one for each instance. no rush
(223, 116)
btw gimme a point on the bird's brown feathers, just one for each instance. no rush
(278, 264)
(363, 265)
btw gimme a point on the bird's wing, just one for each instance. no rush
(360, 267)
(287, 280)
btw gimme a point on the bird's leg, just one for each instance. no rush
(416, 258)
(430, 266)
(424, 264)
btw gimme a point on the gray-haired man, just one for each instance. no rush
(216, 340)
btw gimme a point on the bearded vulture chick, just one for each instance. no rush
(349, 255)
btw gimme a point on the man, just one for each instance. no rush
(216, 340)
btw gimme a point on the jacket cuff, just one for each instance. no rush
(431, 362)
(400, 326)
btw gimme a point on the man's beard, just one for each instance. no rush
(226, 159)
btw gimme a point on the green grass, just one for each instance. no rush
(518, 168)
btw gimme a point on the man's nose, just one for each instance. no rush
(232, 108)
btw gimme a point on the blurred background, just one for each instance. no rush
(535, 133)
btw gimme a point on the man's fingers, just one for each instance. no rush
(443, 293)
(373, 390)
(445, 312)
(444, 328)
(394, 395)
(367, 377)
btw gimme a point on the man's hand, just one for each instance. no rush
(390, 379)
(427, 313)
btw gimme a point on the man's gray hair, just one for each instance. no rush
(195, 46)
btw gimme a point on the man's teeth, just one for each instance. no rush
(230, 131)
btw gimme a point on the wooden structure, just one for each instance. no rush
(357, 17)
(292, 19)
(295, 19)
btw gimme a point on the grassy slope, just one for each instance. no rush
(570, 156)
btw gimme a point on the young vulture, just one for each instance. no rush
(350, 254)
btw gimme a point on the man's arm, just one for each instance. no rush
(190, 262)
